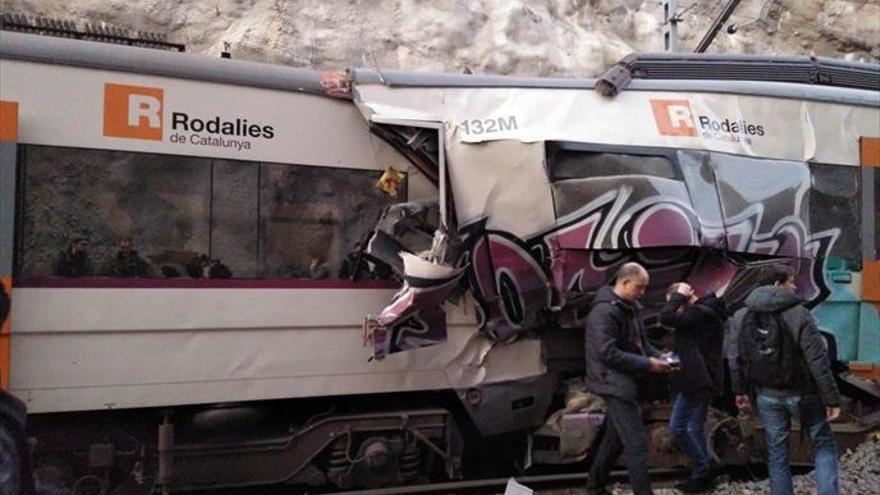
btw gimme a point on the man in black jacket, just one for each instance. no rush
(128, 262)
(699, 336)
(74, 261)
(811, 393)
(617, 355)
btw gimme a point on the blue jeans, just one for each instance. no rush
(688, 427)
(776, 414)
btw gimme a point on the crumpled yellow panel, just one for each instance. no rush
(390, 181)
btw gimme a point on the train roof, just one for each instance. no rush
(807, 78)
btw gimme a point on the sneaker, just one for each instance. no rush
(695, 485)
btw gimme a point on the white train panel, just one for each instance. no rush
(85, 349)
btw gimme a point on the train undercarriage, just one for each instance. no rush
(376, 441)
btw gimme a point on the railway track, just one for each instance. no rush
(660, 478)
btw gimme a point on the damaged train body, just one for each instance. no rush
(507, 202)
(694, 185)
(547, 188)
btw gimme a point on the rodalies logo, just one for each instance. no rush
(137, 112)
(133, 111)
(676, 118)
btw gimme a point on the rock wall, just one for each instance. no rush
(517, 37)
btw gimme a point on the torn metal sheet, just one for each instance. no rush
(502, 182)
(415, 317)
(404, 227)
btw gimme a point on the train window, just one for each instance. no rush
(835, 203)
(564, 163)
(161, 202)
(772, 191)
(311, 218)
(188, 216)
(234, 209)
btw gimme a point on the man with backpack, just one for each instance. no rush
(783, 361)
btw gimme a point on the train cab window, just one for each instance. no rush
(835, 203)
(570, 161)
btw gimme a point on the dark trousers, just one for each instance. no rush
(624, 432)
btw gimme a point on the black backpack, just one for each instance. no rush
(769, 350)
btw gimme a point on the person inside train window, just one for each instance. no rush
(198, 266)
(217, 269)
(74, 260)
(318, 268)
(202, 266)
(127, 262)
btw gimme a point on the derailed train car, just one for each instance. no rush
(516, 198)
(698, 178)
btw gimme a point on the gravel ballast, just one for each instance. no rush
(859, 475)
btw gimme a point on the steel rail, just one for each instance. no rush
(534, 482)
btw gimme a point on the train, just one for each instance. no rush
(408, 257)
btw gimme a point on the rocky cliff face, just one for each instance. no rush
(517, 37)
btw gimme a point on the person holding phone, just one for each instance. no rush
(699, 335)
(618, 355)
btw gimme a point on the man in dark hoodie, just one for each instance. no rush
(699, 336)
(810, 393)
(617, 355)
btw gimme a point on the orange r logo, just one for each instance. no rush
(674, 117)
(133, 111)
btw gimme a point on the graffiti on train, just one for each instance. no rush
(516, 281)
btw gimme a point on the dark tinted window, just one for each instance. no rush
(186, 216)
(162, 202)
(566, 164)
(835, 203)
(312, 217)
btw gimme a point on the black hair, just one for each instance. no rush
(776, 274)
